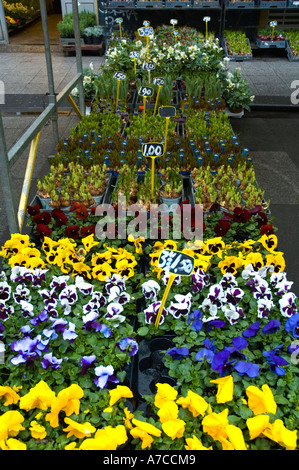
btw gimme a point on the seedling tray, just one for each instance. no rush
(270, 44)
(239, 5)
(149, 4)
(205, 4)
(175, 4)
(236, 57)
(291, 56)
(266, 4)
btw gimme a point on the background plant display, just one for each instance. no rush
(76, 312)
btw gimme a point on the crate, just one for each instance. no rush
(291, 57)
(269, 4)
(178, 4)
(206, 4)
(235, 57)
(149, 4)
(270, 44)
(239, 5)
(125, 4)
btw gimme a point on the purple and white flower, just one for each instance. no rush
(5, 291)
(115, 280)
(165, 278)
(84, 287)
(104, 375)
(181, 306)
(87, 362)
(5, 311)
(150, 290)
(234, 295)
(49, 297)
(113, 314)
(52, 361)
(59, 282)
(21, 275)
(152, 311)
(68, 297)
(116, 295)
(70, 333)
(228, 281)
(264, 306)
(288, 305)
(233, 313)
(21, 294)
(129, 345)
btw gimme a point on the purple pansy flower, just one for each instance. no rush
(178, 353)
(86, 362)
(129, 345)
(104, 375)
(52, 361)
(248, 368)
(152, 311)
(195, 321)
(251, 330)
(271, 327)
(43, 316)
(207, 353)
(292, 325)
(234, 295)
(275, 361)
(5, 311)
(221, 362)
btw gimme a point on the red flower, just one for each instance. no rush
(33, 210)
(43, 230)
(241, 215)
(267, 229)
(60, 217)
(88, 230)
(262, 218)
(72, 231)
(43, 218)
(80, 209)
(222, 227)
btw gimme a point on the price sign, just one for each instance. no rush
(119, 75)
(146, 23)
(145, 91)
(148, 66)
(159, 81)
(145, 31)
(152, 149)
(134, 54)
(176, 262)
(167, 111)
(118, 20)
(175, 32)
(173, 21)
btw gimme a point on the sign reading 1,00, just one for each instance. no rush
(152, 149)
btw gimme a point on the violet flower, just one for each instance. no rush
(51, 361)
(104, 375)
(5, 311)
(195, 321)
(86, 362)
(292, 325)
(251, 330)
(178, 353)
(207, 353)
(275, 361)
(271, 327)
(43, 316)
(152, 311)
(248, 368)
(221, 362)
(128, 345)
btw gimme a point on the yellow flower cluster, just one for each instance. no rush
(166, 401)
(204, 252)
(69, 257)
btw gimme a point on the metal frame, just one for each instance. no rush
(4, 38)
(15, 217)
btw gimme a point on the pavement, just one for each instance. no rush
(270, 130)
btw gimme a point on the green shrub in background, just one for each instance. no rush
(65, 27)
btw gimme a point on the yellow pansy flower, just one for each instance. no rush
(67, 400)
(225, 389)
(137, 242)
(202, 262)
(128, 417)
(81, 269)
(257, 424)
(12, 444)
(269, 242)
(18, 260)
(236, 437)
(79, 430)
(102, 271)
(174, 428)
(40, 396)
(256, 259)
(9, 394)
(36, 263)
(215, 246)
(71, 446)
(165, 392)
(194, 403)
(169, 411)
(215, 424)
(277, 432)
(147, 427)
(261, 401)
(89, 242)
(37, 430)
(146, 438)
(120, 391)
(277, 260)
(108, 438)
(193, 443)
(230, 264)
(124, 268)
(100, 258)
(10, 424)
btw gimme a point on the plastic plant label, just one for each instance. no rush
(145, 31)
(119, 75)
(145, 91)
(152, 149)
(134, 54)
(176, 262)
(118, 20)
(173, 21)
(167, 111)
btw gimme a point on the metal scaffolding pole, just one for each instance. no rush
(52, 95)
(78, 55)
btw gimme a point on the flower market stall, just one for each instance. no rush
(150, 308)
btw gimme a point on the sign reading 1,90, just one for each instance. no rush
(176, 262)
(152, 149)
(119, 75)
(145, 91)
(146, 31)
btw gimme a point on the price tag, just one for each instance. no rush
(176, 262)
(119, 75)
(152, 149)
(159, 81)
(167, 111)
(175, 33)
(134, 54)
(145, 31)
(118, 20)
(145, 91)
(148, 66)
(146, 23)
(173, 21)
(207, 18)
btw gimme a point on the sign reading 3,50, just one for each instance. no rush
(146, 31)
(176, 262)
(145, 91)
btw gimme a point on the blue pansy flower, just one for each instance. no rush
(271, 327)
(251, 330)
(292, 325)
(194, 320)
(275, 361)
(248, 368)
(178, 353)
(207, 353)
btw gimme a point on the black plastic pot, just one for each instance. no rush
(88, 39)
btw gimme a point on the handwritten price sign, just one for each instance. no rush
(176, 262)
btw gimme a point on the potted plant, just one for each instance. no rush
(97, 34)
(171, 186)
(237, 93)
(88, 35)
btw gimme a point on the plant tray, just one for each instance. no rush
(239, 4)
(235, 57)
(206, 4)
(270, 44)
(178, 4)
(271, 4)
(125, 4)
(291, 56)
(149, 4)
(293, 3)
